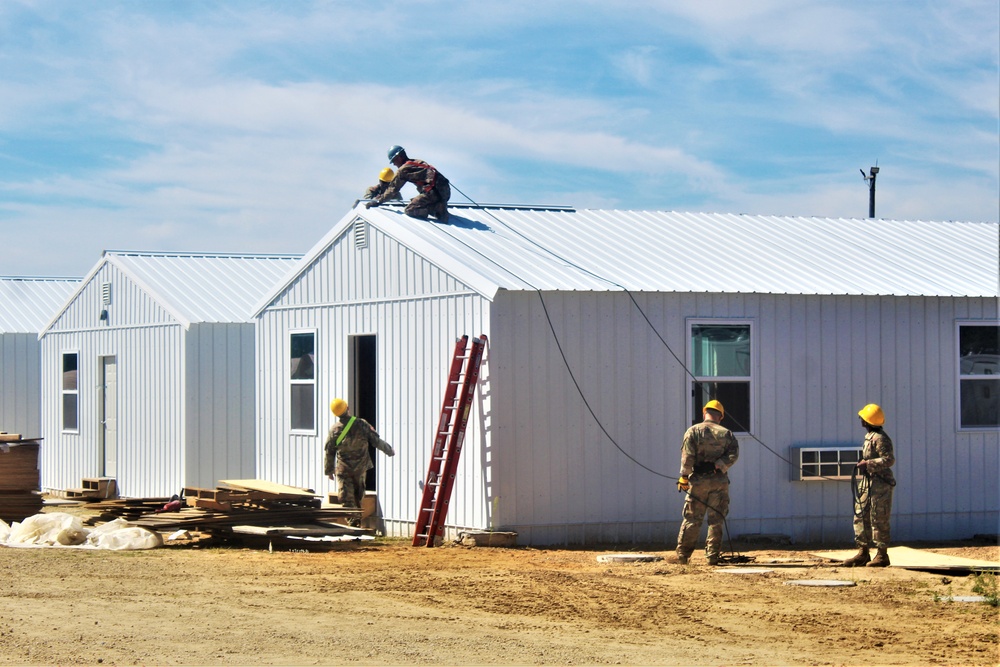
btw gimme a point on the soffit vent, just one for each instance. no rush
(360, 234)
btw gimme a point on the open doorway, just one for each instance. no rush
(363, 370)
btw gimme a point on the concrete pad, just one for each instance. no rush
(742, 570)
(917, 559)
(835, 583)
(628, 558)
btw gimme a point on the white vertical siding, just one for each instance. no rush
(416, 312)
(20, 389)
(560, 479)
(150, 423)
(220, 436)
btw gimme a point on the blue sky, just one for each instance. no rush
(249, 126)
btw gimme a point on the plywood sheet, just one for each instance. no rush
(917, 559)
(266, 487)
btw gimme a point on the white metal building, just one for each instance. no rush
(607, 332)
(26, 305)
(148, 372)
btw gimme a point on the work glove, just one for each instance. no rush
(371, 203)
(683, 484)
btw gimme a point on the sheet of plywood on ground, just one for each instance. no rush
(311, 529)
(917, 559)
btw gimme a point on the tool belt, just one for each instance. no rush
(705, 469)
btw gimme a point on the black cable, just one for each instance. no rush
(569, 369)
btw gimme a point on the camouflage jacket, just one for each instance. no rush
(705, 444)
(351, 456)
(877, 450)
(425, 177)
(379, 188)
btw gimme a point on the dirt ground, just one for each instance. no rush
(386, 602)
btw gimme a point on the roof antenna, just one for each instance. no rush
(870, 180)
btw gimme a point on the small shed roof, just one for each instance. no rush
(27, 303)
(546, 248)
(199, 287)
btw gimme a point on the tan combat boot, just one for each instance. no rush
(860, 558)
(881, 558)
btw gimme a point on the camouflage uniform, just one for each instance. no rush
(380, 187)
(350, 460)
(873, 508)
(434, 190)
(706, 445)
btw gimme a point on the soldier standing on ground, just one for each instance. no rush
(433, 189)
(708, 451)
(873, 503)
(347, 458)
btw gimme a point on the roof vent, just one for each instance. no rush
(360, 234)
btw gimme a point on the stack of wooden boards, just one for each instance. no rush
(242, 510)
(20, 495)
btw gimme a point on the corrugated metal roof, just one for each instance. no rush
(27, 303)
(203, 287)
(664, 251)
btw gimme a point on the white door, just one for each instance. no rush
(108, 418)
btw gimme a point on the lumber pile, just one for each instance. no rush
(236, 510)
(20, 495)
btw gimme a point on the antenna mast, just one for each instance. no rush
(870, 180)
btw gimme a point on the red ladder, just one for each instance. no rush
(448, 441)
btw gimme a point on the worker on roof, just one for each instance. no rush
(433, 189)
(384, 178)
(347, 458)
(709, 450)
(873, 491)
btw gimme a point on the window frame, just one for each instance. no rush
(299, 382)
(960, 378)
(750, 379)
(64, 393)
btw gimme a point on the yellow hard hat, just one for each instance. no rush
(338, 406)
(386, 175)
(872, 414)
(714, 405)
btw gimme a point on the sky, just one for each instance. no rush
(254, 126)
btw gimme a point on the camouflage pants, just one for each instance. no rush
(433, 203)
(872, 511)
(708, 494)
(350, 488)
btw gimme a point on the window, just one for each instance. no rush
(819, 463)
(979, 375)
(720, 362)
(70, 393)
(303, 381)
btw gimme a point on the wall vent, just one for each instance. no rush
(360, 234)
(106, 293)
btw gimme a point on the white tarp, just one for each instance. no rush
(58, 529)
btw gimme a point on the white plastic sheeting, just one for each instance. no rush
(58, 529)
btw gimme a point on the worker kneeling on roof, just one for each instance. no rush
(347, 458)
(433, 189)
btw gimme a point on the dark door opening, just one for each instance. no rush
(363, 401)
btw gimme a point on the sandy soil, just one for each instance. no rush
(390, 603)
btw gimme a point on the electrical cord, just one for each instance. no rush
(680, 362)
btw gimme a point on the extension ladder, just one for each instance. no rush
(462, 380)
